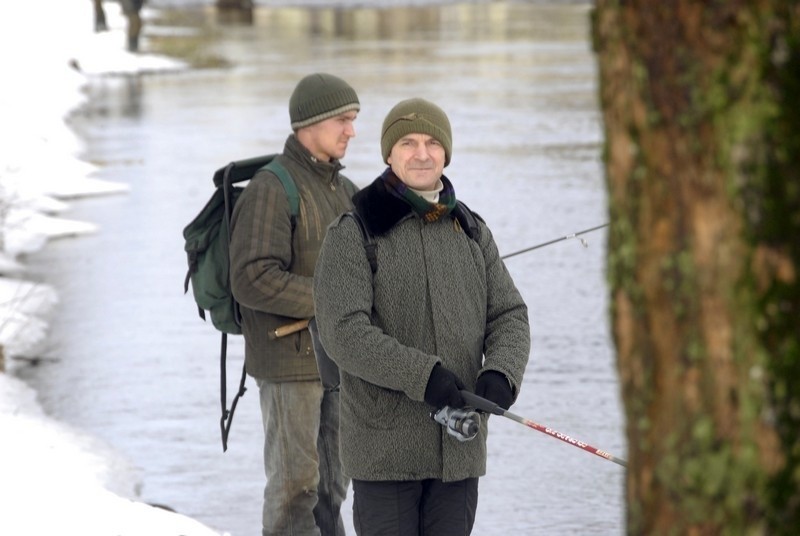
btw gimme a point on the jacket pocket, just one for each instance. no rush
(374, 406)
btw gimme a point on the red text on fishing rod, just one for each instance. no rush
(566, 438)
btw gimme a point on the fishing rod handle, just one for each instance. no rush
(481, 403)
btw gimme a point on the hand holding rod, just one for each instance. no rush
(490, 407)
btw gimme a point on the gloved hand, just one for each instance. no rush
(495, 387)
(444, 389)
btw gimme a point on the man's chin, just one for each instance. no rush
(422, 181)
(423, 175)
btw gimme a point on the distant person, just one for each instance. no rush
(131, 9)
(272, 265)
(439, 314)
(100, 24)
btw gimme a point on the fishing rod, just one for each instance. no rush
(543, 244)
(293, 327)
(490, 407)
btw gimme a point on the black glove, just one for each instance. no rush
(495, 387)
(444, 389)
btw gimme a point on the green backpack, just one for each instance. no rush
(207, 238)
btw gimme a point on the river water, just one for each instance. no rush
(136, 368)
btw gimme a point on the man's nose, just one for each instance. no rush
(421, 152)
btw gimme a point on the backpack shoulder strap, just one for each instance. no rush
(288, 185)
(468, 220)
(370, 246)
(226, 420)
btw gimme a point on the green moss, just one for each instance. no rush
(775, 222)
(749, 101)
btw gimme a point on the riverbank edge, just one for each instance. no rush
(49, 468)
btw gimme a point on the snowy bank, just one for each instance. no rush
(55, 480)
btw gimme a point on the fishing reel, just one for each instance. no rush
(461, 423)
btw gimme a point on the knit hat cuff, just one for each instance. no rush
(325, 107)
(414, 123)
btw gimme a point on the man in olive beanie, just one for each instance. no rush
(318, 97)
(438, 314)
(416, 116)
(272, 259)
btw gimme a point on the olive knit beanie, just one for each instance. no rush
(320, 96)
(416, 116)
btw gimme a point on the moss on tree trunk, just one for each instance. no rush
(701, 107)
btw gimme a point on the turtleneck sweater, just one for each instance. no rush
(431, 196)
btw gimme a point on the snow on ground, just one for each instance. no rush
(54, 480)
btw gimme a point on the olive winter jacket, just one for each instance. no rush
(272, 264)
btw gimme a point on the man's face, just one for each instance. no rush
(418, 161)
(327, 140)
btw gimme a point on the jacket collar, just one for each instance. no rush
(379, 209)
(298, 152)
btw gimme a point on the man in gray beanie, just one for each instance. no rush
(272, 259)
(433, 312)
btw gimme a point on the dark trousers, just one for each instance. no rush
(421, 507)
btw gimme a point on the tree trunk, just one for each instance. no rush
(702, 132)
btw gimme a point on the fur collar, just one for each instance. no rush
(379, 209)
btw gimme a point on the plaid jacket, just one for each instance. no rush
(272, 264)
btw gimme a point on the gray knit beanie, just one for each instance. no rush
(320, 96)
(416, 116)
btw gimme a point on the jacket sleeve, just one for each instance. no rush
(343, 297)
(261, 252)
(507, 342)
